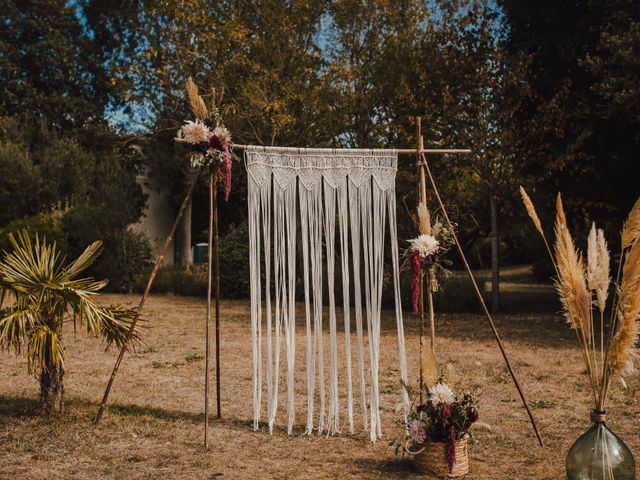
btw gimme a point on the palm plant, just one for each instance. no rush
(43, 294)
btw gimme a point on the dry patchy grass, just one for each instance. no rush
(154, 425)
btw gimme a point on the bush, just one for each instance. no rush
(45, 226)
(457, 294)
(125, 255)
(234, 263)
(189, 283)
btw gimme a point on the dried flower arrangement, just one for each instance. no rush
(444, 418)
(426, 252)
(209, 139)
(609, 350)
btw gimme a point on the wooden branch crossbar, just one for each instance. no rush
(399, 151)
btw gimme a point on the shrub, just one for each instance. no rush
(457, 294)
(234, 263)
(126, 253)
(45, 226)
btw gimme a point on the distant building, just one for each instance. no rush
(158, 217)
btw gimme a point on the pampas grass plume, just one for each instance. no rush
(598, 266)
(560, 215)
(571, 283)
(424, 218)
(531, 210)
(198, 106)
(631, 227)
(623, 350)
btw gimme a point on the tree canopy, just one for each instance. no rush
(544, 94)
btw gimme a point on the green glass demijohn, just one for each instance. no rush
(600, 455)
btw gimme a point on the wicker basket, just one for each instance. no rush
(432, 458)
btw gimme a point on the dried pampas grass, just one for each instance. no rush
(623, 350)
(196, 102)
(571, 283)
(531, 210)
(576, 285)
(424, 219)
(598, 260)
(631, 227)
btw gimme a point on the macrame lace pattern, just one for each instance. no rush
(320, 188)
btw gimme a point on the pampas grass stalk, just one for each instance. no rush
(585, 288)
(531, 210)
(631, 227)
(424, 219)
(196, 102)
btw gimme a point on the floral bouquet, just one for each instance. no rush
(426, 252)
(445, 418)
(207, 136)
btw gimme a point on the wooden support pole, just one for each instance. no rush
(147, 290)
(207, 318)
(421, 198)
(482, 302)
(428, 360)
(217, 274)
(432, 314)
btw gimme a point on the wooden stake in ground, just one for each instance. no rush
(217, 273)
(147, 290)
(207, 318)
(428, 362)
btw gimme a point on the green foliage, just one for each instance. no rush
(44, 226)
(189, 283)
(457, 294)
(578, 130)
(50, 68)
(234, 263)
(126, 253)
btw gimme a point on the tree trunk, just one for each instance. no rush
(51, 385)
(185, 259)
(495, 256)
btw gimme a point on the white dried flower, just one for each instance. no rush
(426, 245)
(195, 132)
(441, 393)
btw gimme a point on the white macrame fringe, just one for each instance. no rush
(354, 188)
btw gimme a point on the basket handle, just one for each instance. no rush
(413, 452)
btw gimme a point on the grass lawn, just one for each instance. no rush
(154, 426)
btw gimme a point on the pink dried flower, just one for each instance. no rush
(417, 432)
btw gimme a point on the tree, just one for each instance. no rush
(49, 68)
(579, 128)
(263, 56)
(49, 294)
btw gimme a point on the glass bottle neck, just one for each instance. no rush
(598, 416)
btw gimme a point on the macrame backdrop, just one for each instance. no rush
(320, 188)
